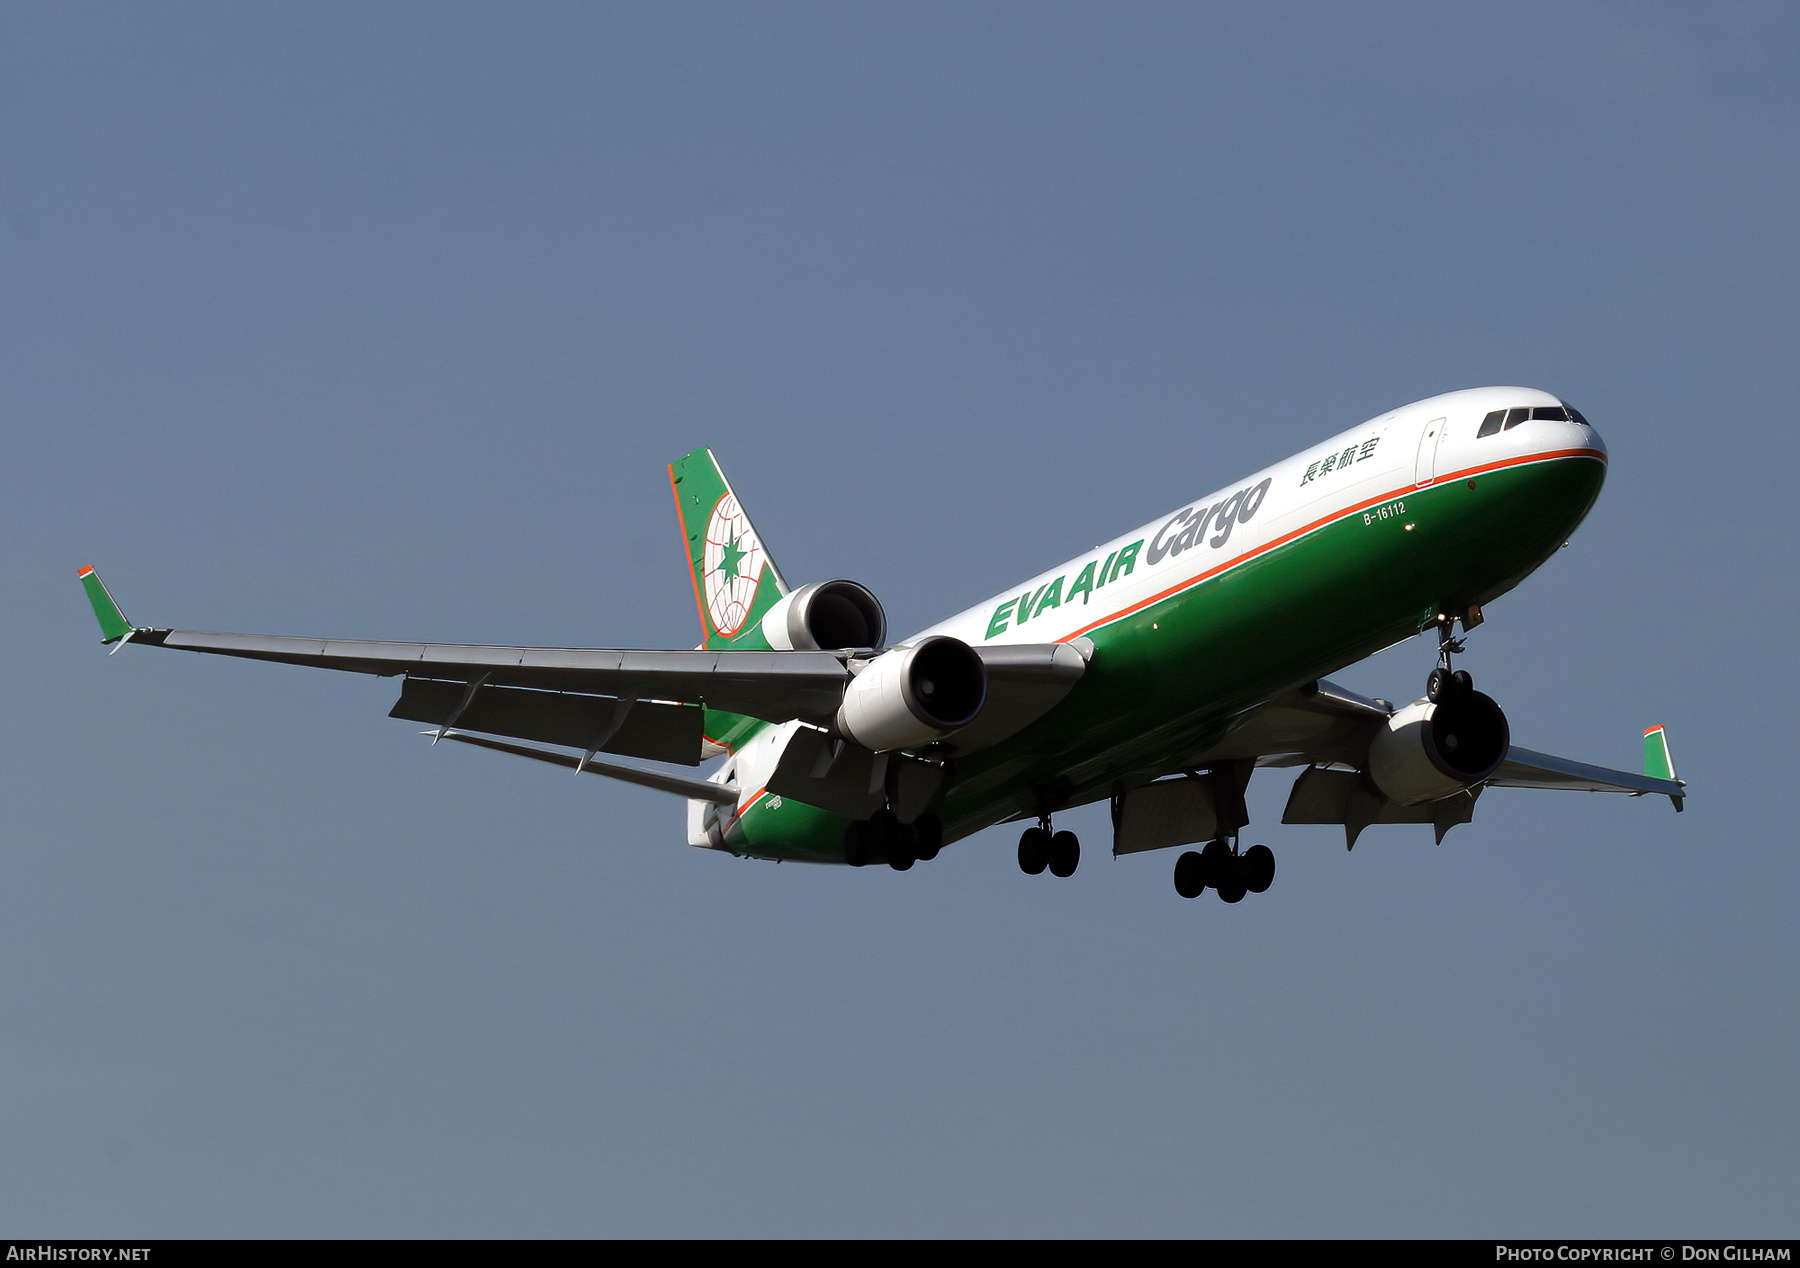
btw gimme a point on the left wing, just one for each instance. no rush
(1524, 768)
(1328, 730)
(1329, 726)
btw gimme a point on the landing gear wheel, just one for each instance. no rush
(1065, 854)
(902, 841)
(1187, 875)
(929, 834)
(1034, 850)
(856, 843)
(1438, 685)
(884, 831)
(1465, 684)
(1259, 868)
(1216, 859)
(1232, 888)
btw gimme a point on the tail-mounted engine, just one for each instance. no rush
(1428, 751)
(911, 696)
(826, 616)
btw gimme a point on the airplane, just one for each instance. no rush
(1155, 672)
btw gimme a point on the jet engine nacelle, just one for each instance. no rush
(910, 696)
(826, 616)
(1430, 750)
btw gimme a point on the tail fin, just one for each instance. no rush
(735, 581)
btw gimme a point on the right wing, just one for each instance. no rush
(774, 686)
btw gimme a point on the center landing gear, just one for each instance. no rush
(1040, 848)
(883, 838)
(1221, 867)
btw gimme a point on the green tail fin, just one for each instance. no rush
(1657, 762)
(735, 581)
(113, 625)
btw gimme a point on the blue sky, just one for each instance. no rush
(382, 320)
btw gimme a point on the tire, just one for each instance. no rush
(1233, 890)
(929, 835)
(884, 833)
(1465, 683)
(856, 843)
(1439, 685)
(1215, 864)
(1187, 875)
(1259, 868)
(1034, 851)
(1065, 854)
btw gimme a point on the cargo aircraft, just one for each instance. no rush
(1156, 672)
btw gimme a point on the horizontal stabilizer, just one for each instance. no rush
(680, 785)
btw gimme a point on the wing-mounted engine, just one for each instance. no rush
(910, 696)
(826, 616)
(1429, 751)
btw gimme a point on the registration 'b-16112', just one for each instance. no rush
(1156, 672)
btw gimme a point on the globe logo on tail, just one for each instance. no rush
(733, 565)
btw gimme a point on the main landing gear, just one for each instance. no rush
(1039, 848)
(1221, 867)
(883, 838)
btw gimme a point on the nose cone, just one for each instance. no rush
(1588, 438)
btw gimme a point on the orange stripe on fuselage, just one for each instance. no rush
(1365, 504)
(744, 809)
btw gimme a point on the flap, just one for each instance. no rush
(659, 732)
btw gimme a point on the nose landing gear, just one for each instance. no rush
(1219, 866)
(1446, 682)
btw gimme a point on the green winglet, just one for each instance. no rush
(1657, 762)
(113, 625)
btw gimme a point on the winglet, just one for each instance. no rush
(1657, 762)
(113, 625)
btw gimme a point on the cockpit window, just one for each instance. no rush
(1507, 419)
